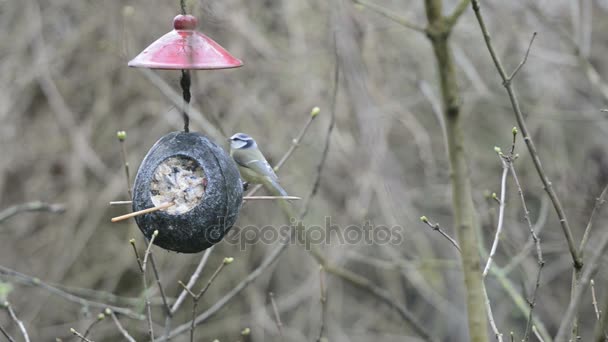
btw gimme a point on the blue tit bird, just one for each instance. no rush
(253, 166)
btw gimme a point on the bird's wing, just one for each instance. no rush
(255, 161)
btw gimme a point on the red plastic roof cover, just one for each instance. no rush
(185, 48)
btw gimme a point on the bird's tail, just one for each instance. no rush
(275, 188)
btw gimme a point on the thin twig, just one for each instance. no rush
(390, 15)
(536, 228)
(122, 135)
(100, 318)
(17, 321)
(501, 213)
(507, 83)
(491, 316)
(30, 206)
(119, 326)
(438, 229)
(192, 281)
(145, 282)
(537, 334)
(598, 204)
(132, 242)
(539, 252)
(294, 144)
(365, 284)
(588, 272)
(79, 335)
(166, 305)
(525, 59)
(148, 249)
(594, 301)
(600, 333)
(142, 212)
(590, 71)
(197, 297)
(5, 333)
(32, 281)
(458, 11)
(323, 301)
(272, 257)
(330, 128)
(277, 317)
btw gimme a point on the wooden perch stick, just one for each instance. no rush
(245, 198)
(141, 212)
(120, 202)
(249, 198)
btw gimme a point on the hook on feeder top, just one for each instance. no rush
(185, 48)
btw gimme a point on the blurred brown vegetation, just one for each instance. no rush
(66, 90)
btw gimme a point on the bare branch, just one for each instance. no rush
(390, 15)
(192, 281)
(197, 297)
(17, 321)
(5, 333)
(594, 301)
(330, 128)
(323, 301)
(491, 316)
(501, 213)
(537, 334)
(578, 263)
(524, 60)
(539, 252)
(365, 284)
(598, 204)
(274, 255)
(294, 144)
(29, 207)
(145, 281)
(458, 11)
(32, 281)
(79, 335)
(277, 317)
(166, 305)
(99, 318)
(438, 229)
(588, 272)
(119, 326)
(122, 135)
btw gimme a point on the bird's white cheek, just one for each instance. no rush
(236, 144)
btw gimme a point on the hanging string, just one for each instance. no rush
(185, 83)
(182, 5)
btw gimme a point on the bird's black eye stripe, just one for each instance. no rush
(248, 143)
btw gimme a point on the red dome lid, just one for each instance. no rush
(185, 48)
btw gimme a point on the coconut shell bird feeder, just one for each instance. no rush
(193, 180)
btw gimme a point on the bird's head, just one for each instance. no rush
(241, 141)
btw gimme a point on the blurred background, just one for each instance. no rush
(66, 90)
